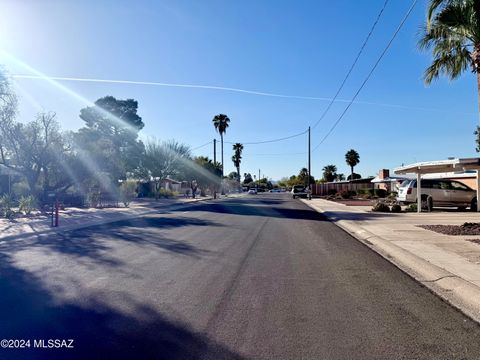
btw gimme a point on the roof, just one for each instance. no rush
(390, 179)
(440, 166)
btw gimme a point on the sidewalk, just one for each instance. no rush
(448, 265)
(76, 218)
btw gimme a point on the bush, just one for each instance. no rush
(411, 208)
(331, 192)
(380, 207)
(26, 204)
(165, 193)
(396, 208)
(347, 194)
(128, 191)
(6, 205)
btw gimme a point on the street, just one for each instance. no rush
(261, 277)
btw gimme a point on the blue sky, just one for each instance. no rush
(298, 48)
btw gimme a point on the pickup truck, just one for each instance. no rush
(299, 191)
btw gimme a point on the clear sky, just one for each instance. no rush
(297, 48)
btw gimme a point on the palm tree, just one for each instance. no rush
(452, 33)
(329, 173)
(220, 122)
(352, 158)
(237, 157)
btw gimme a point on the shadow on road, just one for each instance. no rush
(99, 330)
(93, 242)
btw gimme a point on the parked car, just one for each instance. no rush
(438, 192)
(299, 191)
(252, 191)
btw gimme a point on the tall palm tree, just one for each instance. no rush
(237, 157)
(220, 122)
(452, 33)
(352, 158)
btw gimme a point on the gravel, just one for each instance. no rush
(465, 229)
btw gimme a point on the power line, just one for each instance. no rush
(369, 74)
(201, 146)
(269, 141)
(353, 65)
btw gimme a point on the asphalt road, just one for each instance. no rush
(261, 277)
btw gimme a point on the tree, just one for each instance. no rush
(352, 159)
(340, 177)
(329, 173)
(452, 33)
(206, 173)
(303, 177)
(109, 137)
(237, 157)
(220, 122)
(166, 159)
(354, 176)
(247, 178)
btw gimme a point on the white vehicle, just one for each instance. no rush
(438, 192)
(252, 191)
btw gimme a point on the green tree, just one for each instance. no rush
(452, 34)
(109, 138)
(247, 178)
(352, 159)
(221, 123)
(206, 173)
(237, 157)
(329, 173)
(340, 177)
(302, 177)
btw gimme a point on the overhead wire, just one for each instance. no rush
(369, 74)
(352, 66)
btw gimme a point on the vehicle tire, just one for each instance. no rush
(425, 203)
(473, 204)
(461, 208)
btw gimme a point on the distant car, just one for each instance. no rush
(252, 191)
(299, 191)
(438, 192)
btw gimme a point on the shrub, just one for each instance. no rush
(380, 207)
(331, 192)
(347, 194)
(6, 205)
(94, 198)
(26, 204)
(381, 193)
(165, 193)
(128, 191)
(396, 208)
(411, 208)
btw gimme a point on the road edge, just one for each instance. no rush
(457, 292)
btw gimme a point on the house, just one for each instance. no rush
(385, 181)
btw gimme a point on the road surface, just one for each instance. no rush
(257, 277)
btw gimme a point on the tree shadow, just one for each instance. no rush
(94, 242)
(99, 330)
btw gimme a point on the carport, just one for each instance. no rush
(440, 166)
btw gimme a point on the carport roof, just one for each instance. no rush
(440, 166)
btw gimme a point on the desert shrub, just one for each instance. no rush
(347, 194)
(331, 192)
(381, 193)
(26, 204)
(128, 191)
(94, 198)
(380, 207)
(6, 206)
(411, 208)
(165, 193)
(396, 208)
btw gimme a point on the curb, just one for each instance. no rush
(59, 230)
(459, 293)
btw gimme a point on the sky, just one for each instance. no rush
(301, 49)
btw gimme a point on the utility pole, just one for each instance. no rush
(214, 164)
(309, 167)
